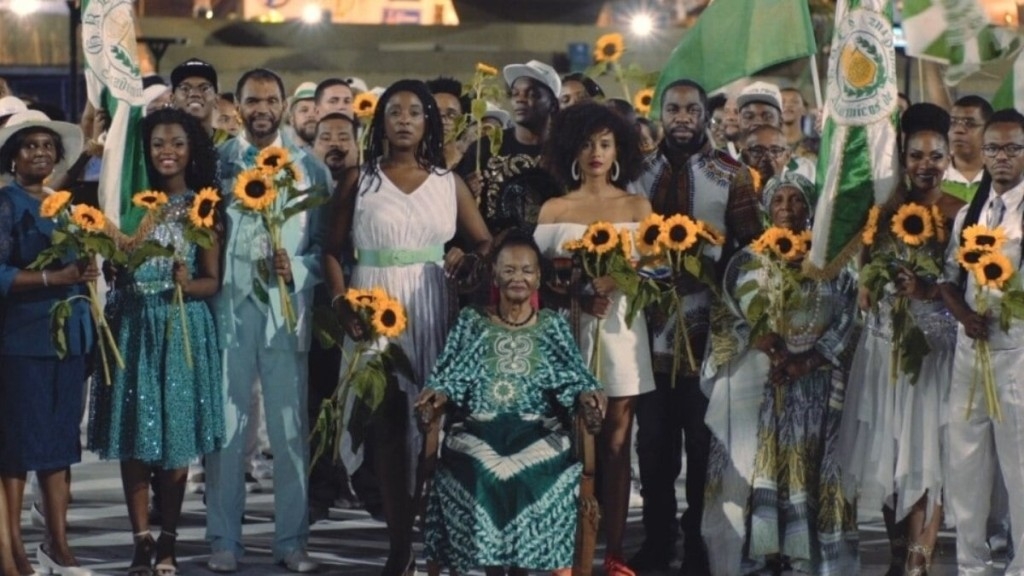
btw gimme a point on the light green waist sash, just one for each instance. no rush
(387, 257)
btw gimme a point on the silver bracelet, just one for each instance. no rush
(46, 282)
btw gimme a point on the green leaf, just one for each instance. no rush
(146, 251)
(478, 108)
(648, 294)
(327, 327)
(55, 253)
(369, 384)
(311, 201)
(397, 361)
(496, 138)
(748, 287)
(202, 237)
(914, 349)
(59, 314)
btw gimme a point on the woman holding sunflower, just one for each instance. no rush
(40, 393)
(895, 427)
(165, 409)
(397, 212)
(774, 494)
(595, 157)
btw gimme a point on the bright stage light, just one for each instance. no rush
(25, 7)
(642, 25)
(312, 14)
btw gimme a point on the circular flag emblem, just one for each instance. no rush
(863, 62)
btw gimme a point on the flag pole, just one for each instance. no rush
(816, 81)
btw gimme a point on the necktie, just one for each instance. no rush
(250, 156)
(995, 212)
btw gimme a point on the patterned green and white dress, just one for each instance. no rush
(505, 492)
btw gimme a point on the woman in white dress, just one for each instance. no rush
(595, 153)
(397, 212)
(894, 430)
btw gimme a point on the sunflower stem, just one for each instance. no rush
(179, 299)
(595, 352)
(286, 302)
(102, 327)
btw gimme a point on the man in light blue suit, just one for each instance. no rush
(257, 343)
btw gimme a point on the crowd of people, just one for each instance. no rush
(785, 431)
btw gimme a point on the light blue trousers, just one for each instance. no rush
(283, 377)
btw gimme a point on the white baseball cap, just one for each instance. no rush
(760, 92)
(537, 70)
(494, 111)
(11, 105)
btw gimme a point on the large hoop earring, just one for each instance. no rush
(574, 170)
(616, 172)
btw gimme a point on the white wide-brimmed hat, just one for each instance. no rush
(70, 134)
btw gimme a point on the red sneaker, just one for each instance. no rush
(615, 566)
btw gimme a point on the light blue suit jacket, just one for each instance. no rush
(301, 237)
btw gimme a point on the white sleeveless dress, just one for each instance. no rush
(387, 218)
(625, 350)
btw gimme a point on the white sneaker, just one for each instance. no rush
(262, 467)
(299, 561)
(222, 561)
(635, 499)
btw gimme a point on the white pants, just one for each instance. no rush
(976, 447)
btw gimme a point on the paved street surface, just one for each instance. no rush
(349, 543)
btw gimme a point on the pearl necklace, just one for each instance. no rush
(533, 312)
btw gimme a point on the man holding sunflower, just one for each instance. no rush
(687, 176)
(264, 289)
(979, 439)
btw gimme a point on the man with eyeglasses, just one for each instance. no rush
(194, 88)
(967, 119)
(765, 150)
(760, 104)
(980, 445)
(452, 105)
(687, 176)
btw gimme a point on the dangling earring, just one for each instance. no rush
(615, 171)
(574, 170)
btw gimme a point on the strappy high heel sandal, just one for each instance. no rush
(919, 550)
(142, 558)
(164, 568)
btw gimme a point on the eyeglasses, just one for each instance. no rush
(758, 152)
(188, 89)
(1011, 150)
(968, 123)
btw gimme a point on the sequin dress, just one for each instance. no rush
(505, 491)
(158, 409)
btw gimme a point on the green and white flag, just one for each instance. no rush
(734, 39)
(1011, 92)
(114, 83)
(857, 162)
(957, 33)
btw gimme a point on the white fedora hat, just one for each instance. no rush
(70, 134)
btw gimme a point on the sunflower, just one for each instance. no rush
(572, 245)
(486, 70)
(54, 203)
(711, 234)
(805, 238)
(765, 241)
(786, 244)
(254, 190)
(292, 172)
(88, 218)
(365, 104)
(388, 318)
(983, 238)
(609, 48)
(357, 298)
(272, 158)
(940, 224)
(755, 179)
(912, 224)
(867, 235)
(149, 199)
(679, 233)
(626, 243)
(648, 233)
(969, 257)
(993, 270)
(600, 238)
(203, 208)
(642, 101)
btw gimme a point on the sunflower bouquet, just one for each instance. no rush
(678, 244)
(364, 106)
(271, 191)
(81, 233)
(778, 291)
(481, 89)
(980, 254)
(918, 239)
(608, 52)
(366, 367)
(199, 231)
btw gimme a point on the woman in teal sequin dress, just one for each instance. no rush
(160, 412)
(505, 492)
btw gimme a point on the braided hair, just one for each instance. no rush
(429, 153)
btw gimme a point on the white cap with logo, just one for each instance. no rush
(760, 92)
